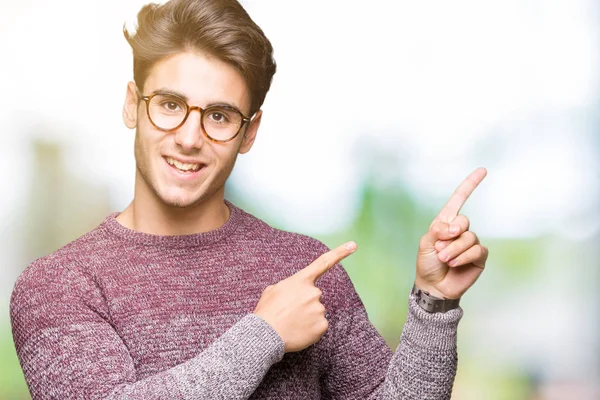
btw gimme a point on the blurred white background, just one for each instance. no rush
(399, 93)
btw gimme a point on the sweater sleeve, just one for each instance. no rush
(69, 350)
(362, 366)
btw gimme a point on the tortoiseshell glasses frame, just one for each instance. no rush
(203, 112)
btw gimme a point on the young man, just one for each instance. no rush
(185, 296)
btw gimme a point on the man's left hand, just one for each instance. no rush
(450, 257)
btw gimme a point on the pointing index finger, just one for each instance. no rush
(461, 194)
(326, 261)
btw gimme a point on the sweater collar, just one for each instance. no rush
(236, 218)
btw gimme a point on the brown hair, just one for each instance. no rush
(221, 28)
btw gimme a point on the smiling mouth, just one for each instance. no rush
(183, 167)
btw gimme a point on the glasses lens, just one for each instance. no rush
(221, 123)
(167, 112)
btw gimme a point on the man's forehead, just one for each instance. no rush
(200, 79)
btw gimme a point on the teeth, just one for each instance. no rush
(182, 166)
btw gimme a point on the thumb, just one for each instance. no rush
(437, 231)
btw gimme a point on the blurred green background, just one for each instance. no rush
(377, 112)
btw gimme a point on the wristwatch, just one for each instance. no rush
(433, 304)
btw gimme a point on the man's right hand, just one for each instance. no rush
(293, 306)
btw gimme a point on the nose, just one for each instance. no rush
(189, 136)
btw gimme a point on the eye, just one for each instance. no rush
(167, 104)
(171, 106)
(217, 116)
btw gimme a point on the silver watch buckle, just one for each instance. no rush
(433, 304)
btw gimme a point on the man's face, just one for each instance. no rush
(203, 80)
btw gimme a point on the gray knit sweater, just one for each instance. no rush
(119, 314)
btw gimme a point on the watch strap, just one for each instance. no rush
(433, 304)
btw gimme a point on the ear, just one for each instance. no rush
(130, 107)
(250, 134)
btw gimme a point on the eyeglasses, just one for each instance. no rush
(168, 112)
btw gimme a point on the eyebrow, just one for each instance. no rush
(169, 92)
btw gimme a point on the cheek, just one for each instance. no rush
(139, 145)
(226, 155)
(146, 144)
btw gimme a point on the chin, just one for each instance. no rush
(182, 200)
(178, 197)
(174, 195)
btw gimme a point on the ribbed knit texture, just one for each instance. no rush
(119, 314)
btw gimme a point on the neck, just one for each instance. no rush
(148, 214)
